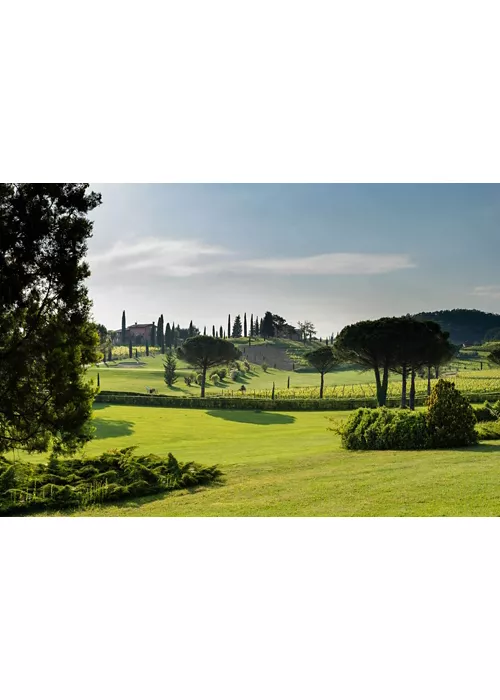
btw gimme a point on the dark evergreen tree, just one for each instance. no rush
(257, 326)
(124, 329)
(169, 368)
(229, 326)
(237, 330)
(152, 340)
(267, 325)
(190, 334)
(251, 326)
(130, 348)
(160, 334)
(204, 330)
(213, 331)
(221, 332)
(147, 349)
(245, 333)
(167, 338)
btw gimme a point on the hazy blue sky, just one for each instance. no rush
(332, 254)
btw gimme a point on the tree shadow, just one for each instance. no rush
(177, 388)
(482, 447)
(255, 417)
(111, 428)
(100, 406)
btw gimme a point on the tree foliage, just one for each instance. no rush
(323, 360)
(169, 368)
(203, 352)
(46, 336)
(237, 328)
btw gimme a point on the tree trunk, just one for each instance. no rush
(412, 390)
(403, 387)
(203, 377)
(429, 380)
(437, 371)
(322, 382)
(381, 385)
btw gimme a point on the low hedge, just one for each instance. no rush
(134, 398)
(115, 475)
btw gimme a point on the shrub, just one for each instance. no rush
(488, 431)
(214, 377)
(486, 413)
(384, 429)
(222, 372)
(64, 483)
(199, 379)
(264, 366)
(450, 417)
(235, 375)
(188, 380)
(247, 366)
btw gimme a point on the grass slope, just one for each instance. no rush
(288, 464)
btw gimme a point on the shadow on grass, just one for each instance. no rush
(255, 417)
(111, 428)
(482, 447)
(177, 388)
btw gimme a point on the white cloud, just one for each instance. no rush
(492, 291)
(173, 257)
(186, 258)
(332, 264)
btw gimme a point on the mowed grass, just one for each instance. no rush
(289, 464)
(150, 374)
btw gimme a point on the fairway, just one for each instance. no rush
(289, 464)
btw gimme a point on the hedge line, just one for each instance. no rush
(247, 403)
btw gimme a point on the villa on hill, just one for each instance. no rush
(138, 331)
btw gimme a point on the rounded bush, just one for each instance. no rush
(385, 429)
(450, 417)
(214, 377)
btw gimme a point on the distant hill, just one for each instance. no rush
(465, 326)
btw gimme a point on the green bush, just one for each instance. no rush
(450, 417)
(222, 372)
(234, 375)
(488, 431)
(384, 429)
(486, 413)
(214, 378)
(68, 483)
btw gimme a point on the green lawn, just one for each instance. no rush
(288, 464)
(151, 374)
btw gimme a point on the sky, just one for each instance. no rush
(333, 254)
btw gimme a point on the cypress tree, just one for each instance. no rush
(272, 396)
(147, 349)
(237, 327)
(228, 326)
(153, 335)
(160, 334)
(256, 327)
(204, 330)
(130, 348)
(190, 333)
(213, 331)
(167, 339)
(245, 334)
(124, 328)
(221, 333)
(251, 325)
